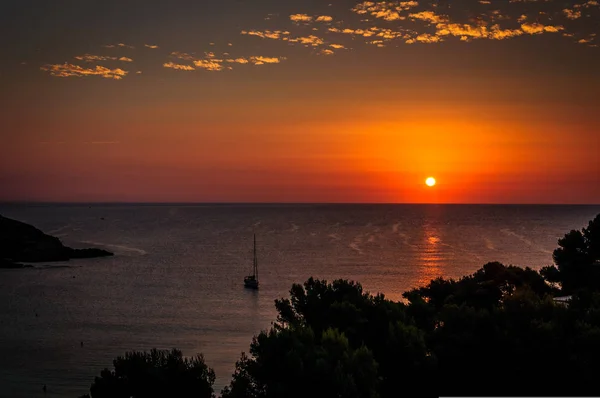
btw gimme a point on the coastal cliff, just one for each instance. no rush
(21, 242)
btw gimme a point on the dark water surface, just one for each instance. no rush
(176, 279)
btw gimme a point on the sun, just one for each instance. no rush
(430, 181)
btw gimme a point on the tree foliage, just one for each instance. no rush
(577, 260)
(154, 374)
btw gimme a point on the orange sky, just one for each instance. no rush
(494, 120)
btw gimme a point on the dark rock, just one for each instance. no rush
(88, 253)
(21, 242)
(7, 264)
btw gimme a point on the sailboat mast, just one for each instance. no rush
(255, 260)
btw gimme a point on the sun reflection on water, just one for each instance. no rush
(430, 256)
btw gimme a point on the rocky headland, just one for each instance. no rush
(23, 243)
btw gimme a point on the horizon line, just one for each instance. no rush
(233, 203)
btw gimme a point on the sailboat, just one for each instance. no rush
(251, 281)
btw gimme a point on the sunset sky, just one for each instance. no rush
(300, 101)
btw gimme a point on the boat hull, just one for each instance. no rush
(251, 282)
(251, 285)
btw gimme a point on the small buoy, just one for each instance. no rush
(82, 343)
(44, 388)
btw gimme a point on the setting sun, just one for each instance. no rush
(430, 181)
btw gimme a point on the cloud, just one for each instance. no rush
(429, 16)
(307, 41)
(238, 60)
(297, 18)
(267, 34)
(301, 18)
(537, 28)
(378, 43)
(324, 18)
(184, 56)
(68, 70)
(94, 58)
(425, 38)
(258, 60)
(100, 58)
(414, 22)
(311, 40)
(122, 45)
(409, 22)
(381, 33)
(172, 65)
(211, 63)
(388, 11)
(588, 4)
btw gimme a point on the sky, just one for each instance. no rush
(320, 101)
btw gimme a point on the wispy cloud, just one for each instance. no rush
(267, 34)
(100, 58)
(537, 28)
(305, 18)
(414, 20)
(94, 58)
(310, 40)
(428, 16)
(70, 70)
(213, 65)
(324, 18)
(184, 56)
(258, 60)
(380, 24)
(301, 18)
(388, 11)
(210, 62)
(121, 45)
(178, 66)
(572, 14)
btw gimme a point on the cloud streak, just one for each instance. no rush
(210, 62)
(118, 45)
(309, 40)
(70, 70)
(375, 23)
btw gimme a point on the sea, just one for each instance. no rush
(176, 280)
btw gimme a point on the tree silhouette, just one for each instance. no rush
(577, 260)
(154, 374)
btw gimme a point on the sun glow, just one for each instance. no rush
(430, 181)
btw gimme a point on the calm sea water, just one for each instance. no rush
(176, 279)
